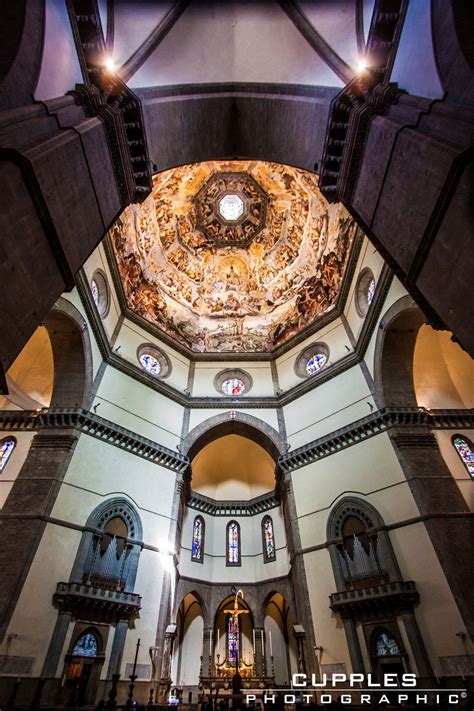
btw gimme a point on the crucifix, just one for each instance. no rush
(235, 612)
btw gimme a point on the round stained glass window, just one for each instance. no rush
(233, 386)
(365, 291)
(100, 292)
(231, 207)
(315, 363)
(150, 363)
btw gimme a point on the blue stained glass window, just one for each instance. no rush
(269, 539)
(233, 386)
(370, 291)
(385, 645)
(95, 292)
(315, 363)
(198, 530)
(150, 363)
(233, 640)
(86, 645)
(464, 449)
(6, 448)
(233, 552)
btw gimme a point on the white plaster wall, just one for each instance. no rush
(133, 405)
(368, 257)
(206, 372)
(132, 336)
(414, 68)
(333, 335)
(214, 567)
(98, 260)
(60, 69)
(268, 415)
(330, 406)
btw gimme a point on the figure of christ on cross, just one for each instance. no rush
(235, 612)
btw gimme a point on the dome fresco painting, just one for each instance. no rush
(214, 286)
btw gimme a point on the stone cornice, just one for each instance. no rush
(255, 506)
(305, 386)
(354, 433)
(375, 423)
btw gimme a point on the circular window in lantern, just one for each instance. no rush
(233, 383)
(313, 359)
(153, 360)
(100, 292)
(365, 290)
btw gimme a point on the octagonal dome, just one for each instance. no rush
(213, 280)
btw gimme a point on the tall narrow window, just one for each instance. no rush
(197, 553)
(233, 543)
(86, 645)
(268, 537)
(7, 445)
(465, 450)
(386, 645)
(233, 640)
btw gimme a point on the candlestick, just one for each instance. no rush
(210, 643)
(270, 640)
(261, 638)
(218, 641)
(253, 637)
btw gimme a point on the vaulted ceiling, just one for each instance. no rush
(315, 43)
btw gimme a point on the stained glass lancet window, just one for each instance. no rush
(385, 645)
(233, 640)
(233, 543)
(7, 446)
(198, 539)
(268, 539)
(466, 452)
(86, 645)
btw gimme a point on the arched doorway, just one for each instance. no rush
(186, 658)
(280, 643)
(234, 646)
(82, 667)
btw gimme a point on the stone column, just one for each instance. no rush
(56, 644)
(353, 643)
(417, 645)
(118, 645)
(444, 510)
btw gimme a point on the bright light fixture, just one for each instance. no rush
(361, 65)
(110, 64)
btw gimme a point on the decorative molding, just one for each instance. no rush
(93, 425)
(375, 423)
(252, 507)
(354, 433)
(368, 604)
(95, 604)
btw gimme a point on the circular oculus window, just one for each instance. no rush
(100, 292)
(233, 383)
(365, 291)
(313, 359)
(231, 207)
(154, 361)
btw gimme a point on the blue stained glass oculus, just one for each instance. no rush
(150, 363)
(370, 291)
(315, 363)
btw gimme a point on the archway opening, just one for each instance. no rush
(280, 642)
(185, 663)
(233, 640)
(233, 467)
(30, 378)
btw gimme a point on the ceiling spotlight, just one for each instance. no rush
(361, 66)
(110, 64)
